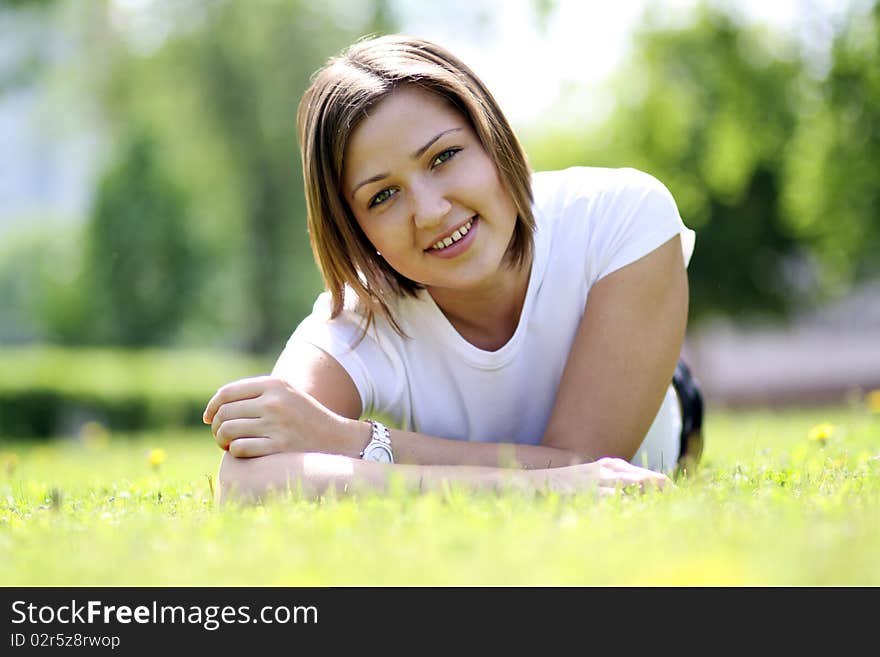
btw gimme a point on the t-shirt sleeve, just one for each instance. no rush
(366, 361)
(634, 214)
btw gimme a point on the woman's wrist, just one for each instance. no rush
(351, 436)
(578, 477)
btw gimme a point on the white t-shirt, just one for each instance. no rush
(590, 222)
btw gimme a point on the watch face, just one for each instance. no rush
(378, 453)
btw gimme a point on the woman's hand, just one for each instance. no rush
(608, 475)
(266, 415)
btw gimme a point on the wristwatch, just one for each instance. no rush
(379, 447)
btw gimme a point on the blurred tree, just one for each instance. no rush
(39, 296)
(832, 191)
(220, 93)
(711, 109)
(26, 4)
(141, 263)
(215, 85)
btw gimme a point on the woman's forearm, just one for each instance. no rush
(263, 415)
(420, 449)
(316, 474)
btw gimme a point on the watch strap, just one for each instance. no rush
(380, 435)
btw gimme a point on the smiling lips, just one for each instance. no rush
(452, 239)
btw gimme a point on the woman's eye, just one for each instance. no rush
(381, 197)
(448, 154)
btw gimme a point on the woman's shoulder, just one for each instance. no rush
(582, 182)
(322, 309)
(586, 198)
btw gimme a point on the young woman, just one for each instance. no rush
(520, 329)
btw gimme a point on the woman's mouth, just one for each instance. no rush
(456, 243)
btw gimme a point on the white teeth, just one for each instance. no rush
(457, 235)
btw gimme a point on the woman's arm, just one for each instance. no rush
(317, 411)
(316, 407)
(315, 474)
(623, 357)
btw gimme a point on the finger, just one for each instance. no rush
(617, 479)
(236, 390)
(238, 428)
(248, 388)
(637, 480)
(645, 484)
(247, 409)
(252, 447)
(652, 480)
(661, 483)
(628, 474)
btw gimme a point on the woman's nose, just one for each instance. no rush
(429, 206)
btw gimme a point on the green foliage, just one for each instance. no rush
(198, 235)
(707, 110)
(41, 286)
(46, 391)
(769, 507)
(833, 183)
(38, 274)
(776, 171)
(25, 4)
(141, 263)
(220, 95)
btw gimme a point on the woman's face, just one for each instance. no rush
(425, 192)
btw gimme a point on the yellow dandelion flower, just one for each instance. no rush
(873, 401)
(156, 457)
(821, 432)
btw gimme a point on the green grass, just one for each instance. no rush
(768, 507)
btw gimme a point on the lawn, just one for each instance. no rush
(779, 500)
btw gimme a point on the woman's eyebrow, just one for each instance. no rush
(421, 151)
(415, 155)
(369, 180)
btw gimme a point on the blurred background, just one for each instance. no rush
(153, 241)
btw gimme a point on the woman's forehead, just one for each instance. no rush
(398, 125)
(409, 109)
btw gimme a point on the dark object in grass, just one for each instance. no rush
(692, 408)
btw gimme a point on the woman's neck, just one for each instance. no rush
(487, 316)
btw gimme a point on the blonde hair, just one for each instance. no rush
(339, 97)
